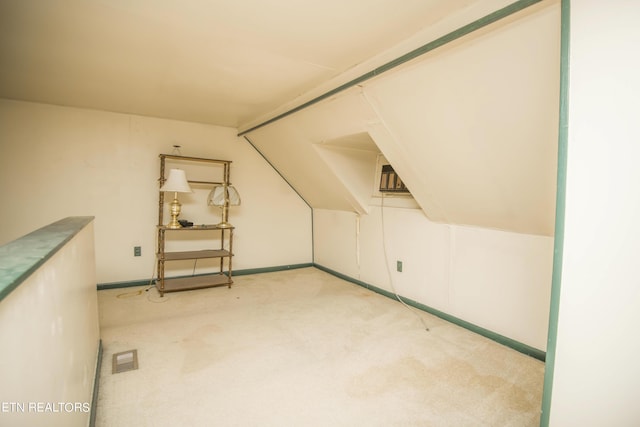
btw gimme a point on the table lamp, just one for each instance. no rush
(224, 196)
(176, 183)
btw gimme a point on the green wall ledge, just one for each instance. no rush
(20, 258)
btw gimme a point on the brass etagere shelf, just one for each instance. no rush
(220, 278)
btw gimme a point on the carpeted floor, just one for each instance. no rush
(303, 348)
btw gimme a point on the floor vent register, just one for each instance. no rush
(125, 361)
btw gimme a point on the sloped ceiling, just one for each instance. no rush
(222, 62)
(317, 148)
(471, 128)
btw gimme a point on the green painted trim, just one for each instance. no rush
(518, 346)
(126, 284)
(291, 186)
(244, 272)
(313, 237)
(439, 42)
(277, 171)
(561, 195)
(271, 269)
(96, 384)
(501, 339)
(20, 258)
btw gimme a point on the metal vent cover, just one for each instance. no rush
(125, 361)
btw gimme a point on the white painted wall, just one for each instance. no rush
(50, 335)
(597, 374)
(59, 162)
(494, 279)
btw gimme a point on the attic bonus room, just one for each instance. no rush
(334, 213)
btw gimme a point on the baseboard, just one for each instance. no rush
(130, 284)
(271, 269)
(96, 384)
(516, 345)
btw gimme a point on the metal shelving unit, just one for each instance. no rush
(221, 278)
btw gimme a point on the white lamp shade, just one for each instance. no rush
(176, 182)
(216, 196)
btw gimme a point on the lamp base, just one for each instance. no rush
(174, 222)
(174, 211)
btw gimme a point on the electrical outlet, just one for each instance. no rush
(399, 266)
(137, 251)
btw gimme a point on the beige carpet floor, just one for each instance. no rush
(303, 348)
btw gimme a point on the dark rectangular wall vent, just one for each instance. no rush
(390, 182)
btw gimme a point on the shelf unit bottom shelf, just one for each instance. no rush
(195, 282)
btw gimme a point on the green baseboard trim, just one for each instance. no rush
(133, 283)
(271, 269)
(96, 384)
(118, 285)
(501, 339)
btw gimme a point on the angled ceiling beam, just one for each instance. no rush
(441, 41)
